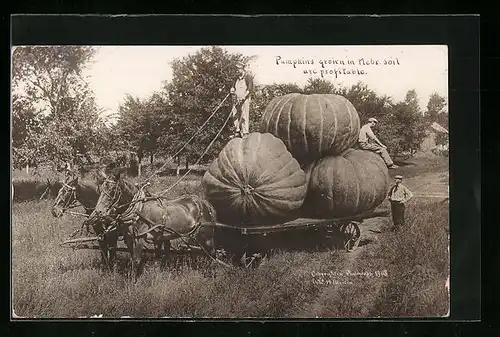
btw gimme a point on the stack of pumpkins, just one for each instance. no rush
(301, 164)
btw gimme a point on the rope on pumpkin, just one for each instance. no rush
(188, 141)
(200, 158)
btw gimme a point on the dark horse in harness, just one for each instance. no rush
(74, 193)
(124, 209)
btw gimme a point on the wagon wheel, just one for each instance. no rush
(352, 235)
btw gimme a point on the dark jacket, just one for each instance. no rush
(249, 83)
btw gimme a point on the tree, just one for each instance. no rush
(435, 107)
(400, 125)
(408, 124)
(319, 86)
(49, 75)
(442, 138)
(76, 132)
(26, 123)
(200, 81)
(367, 102)
(142, 123)
(54, 95)
(411, 100)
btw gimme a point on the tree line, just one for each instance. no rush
(56, 120)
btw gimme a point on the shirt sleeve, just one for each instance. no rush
(408, 193)
(370, 133)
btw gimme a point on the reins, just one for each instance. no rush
(137, 196)
(207, 148)
(72, 201)
(116, 195)
(161, 194)
(189, 140)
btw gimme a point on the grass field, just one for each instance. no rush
(395, 274)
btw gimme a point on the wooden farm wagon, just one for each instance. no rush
(245, 245)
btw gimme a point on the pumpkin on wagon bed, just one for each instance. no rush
(312, 126)
(255, 181)
(352, 183)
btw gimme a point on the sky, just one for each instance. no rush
(140, 70)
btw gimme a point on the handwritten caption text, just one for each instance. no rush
(336, 67)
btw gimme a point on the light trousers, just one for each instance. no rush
(379, 150)
(240, 114)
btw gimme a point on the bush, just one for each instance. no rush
(31, 189)
(440, 151)
(442, 139)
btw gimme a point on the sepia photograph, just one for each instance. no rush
(229, 181)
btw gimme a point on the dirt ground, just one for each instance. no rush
(429, 185)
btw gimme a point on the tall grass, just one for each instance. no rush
(49, 281)
(414, 266)
(54, 282)
(419, 265)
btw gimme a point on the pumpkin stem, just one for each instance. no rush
(246, 189)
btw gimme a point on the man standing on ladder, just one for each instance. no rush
(241, 91)
(368, 141)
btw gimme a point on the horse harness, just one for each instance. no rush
(116, 194)
(163, 228)
(72, 201)
(134, 213)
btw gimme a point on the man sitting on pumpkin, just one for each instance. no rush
(368, 141)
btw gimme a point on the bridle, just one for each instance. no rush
(116, 194)
(71, 201)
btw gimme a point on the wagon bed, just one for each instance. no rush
(243, 243)
(300, 224)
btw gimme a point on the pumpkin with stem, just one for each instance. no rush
(255, 181)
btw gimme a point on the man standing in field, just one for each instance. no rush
(399, 195)
(241, 91)
(368, 141)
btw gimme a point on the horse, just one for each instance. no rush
(189, 220)
(144, 218)
(74, 193)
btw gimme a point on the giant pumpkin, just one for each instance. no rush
(255, 180)
(312, 126)
(349, 184)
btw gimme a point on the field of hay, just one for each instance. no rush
(391, 274)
